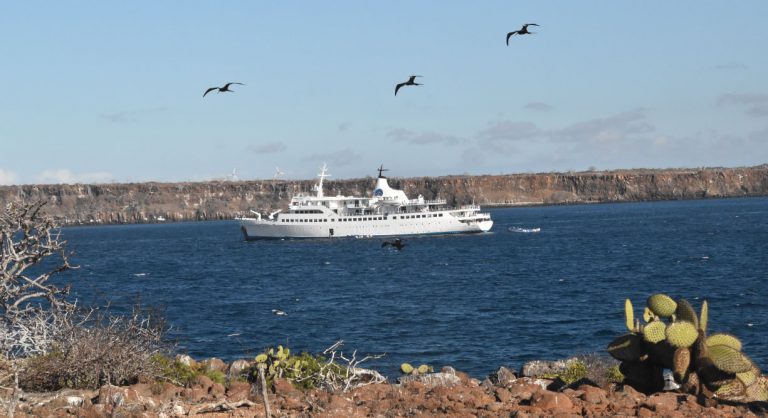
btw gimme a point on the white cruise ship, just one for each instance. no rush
(388, 213)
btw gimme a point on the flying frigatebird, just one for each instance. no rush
(397, 243)
(522, 31)
(223, 89)
(411, 82)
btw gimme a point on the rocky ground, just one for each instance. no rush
(445, 394)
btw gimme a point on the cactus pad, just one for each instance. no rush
(750, 377)
(724, 339)
(406, 368)
(758, 391)
(261, 358)
(648, 316)
(731, 389)
(685, 312)
(628, 347)
(704, 317)
(662, 305)
(682, 360)
(629, 315)
(424, 369)
(729, 360)
(655, 332)
(681, 334)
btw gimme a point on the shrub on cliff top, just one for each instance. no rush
(99, 348)
(307, 371)
(182, 374)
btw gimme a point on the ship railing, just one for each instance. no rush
(417, 202)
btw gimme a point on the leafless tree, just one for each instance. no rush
(28, 237)
(33, 309)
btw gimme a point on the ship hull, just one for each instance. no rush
(254, 229)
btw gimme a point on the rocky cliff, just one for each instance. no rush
(157, 202)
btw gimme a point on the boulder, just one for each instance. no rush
(539, 368)
(237, 368)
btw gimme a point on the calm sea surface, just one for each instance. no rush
(475, 302)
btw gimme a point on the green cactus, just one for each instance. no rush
(423, 369)
(749, 377)
(724, 339)
(729, 360)
(682, 360)
(662, 305)
(406, 368)
(261, 358)
(648, 315)
(733, 388)
(655, 332)
(681, 334)
(685, 312)
(628, 347)
(674, 337)
(758, 391)
(704, 317)
(629, 314)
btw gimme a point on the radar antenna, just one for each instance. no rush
(278, 174)
(323, 174)
(381, 169)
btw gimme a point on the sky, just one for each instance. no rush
(107, 91)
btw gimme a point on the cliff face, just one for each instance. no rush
(155, 202)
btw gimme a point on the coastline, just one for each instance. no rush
(153, 202)
(447, 393)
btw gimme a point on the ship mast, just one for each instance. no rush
(322, 176)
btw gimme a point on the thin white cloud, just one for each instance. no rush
(268, 148)
(509, 131)
(539, 107)
(7, 177)
(610, 129)
(338, 159)
(756, 103)
(131, 116)
(423, 138)
(66, 176)
(730, 66)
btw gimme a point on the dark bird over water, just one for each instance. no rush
(411, 82)
(223, 89)
(522, 31)
(397, 243)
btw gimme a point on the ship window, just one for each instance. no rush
(440, 214)
(394, 217)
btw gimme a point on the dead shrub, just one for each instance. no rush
(100, 348)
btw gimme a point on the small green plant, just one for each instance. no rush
(304, 371)
(177, 372)
(407, 369)
(613, 374)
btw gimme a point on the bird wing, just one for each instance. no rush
(397, 87)
(531, 24)
(509, 35)
(210, 90)
(229, 84)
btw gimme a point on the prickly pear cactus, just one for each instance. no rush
(406, 368)
(674, 337)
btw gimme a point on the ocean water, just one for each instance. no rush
(475, 302)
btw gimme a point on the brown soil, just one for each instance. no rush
(424, 396)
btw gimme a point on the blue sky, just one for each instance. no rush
(111, 91)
